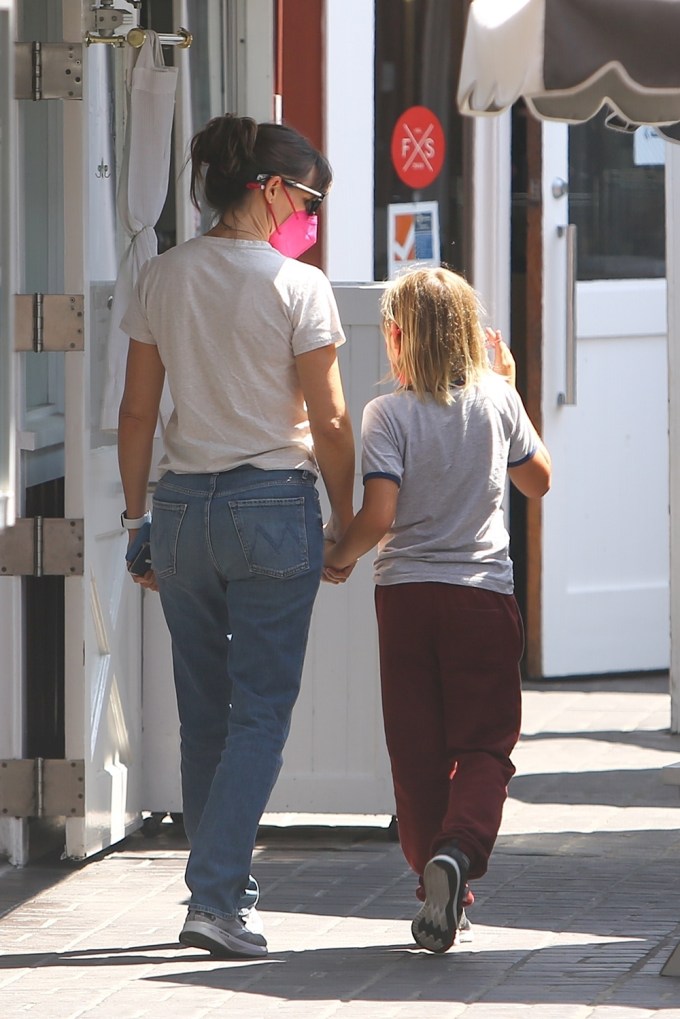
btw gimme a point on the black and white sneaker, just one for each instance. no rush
(223, 937)
(439, 919)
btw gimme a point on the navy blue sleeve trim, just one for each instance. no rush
(382, 474)
(529, 456)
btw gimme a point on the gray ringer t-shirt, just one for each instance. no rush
(450, 463)
(229, 317)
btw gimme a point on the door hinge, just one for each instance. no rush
(42, 788)
(49, 322)
(48, 70)
(42, 547)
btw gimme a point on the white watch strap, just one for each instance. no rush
(133, 524)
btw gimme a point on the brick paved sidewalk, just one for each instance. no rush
(578, 914)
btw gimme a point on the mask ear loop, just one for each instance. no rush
(290, 200)
(252, 185)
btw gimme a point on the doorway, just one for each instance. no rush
(592, 559)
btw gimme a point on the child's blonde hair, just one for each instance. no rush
(442, 341)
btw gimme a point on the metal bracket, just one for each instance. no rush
(48, 70)
(108, 19)
(111, 23)
(49, 322)
(42, 547)
(42, 788)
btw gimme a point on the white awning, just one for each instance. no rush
(570, 58)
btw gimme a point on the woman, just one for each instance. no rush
(247, 337)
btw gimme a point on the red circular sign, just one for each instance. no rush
(418, 147)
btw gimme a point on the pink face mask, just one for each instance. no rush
(296, 234)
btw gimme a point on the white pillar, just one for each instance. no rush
(491, 217)
(673, 277)
(349, 116)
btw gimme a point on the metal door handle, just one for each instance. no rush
(568, 397)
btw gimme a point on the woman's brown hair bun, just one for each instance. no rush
(223, 160)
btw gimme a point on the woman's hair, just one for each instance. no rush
(442, 341)
(229, 152)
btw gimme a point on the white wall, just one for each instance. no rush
(350, 33)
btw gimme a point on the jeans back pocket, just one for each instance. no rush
(273, 535)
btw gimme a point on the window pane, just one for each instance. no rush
(418, 47)
(616, 198)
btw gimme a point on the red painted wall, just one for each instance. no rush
(300, 80)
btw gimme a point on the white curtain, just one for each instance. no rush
(150, 93)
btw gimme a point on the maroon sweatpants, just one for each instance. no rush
(451, 693)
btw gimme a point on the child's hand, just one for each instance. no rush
(503, 361)
(332, 576)
(335, 570)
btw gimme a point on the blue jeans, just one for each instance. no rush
(238, 560)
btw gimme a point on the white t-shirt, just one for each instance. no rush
(228, 318)
(450, 463)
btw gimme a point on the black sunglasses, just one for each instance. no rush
(312, 205)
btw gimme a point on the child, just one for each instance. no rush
(436, 455)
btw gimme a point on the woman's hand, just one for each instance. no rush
(148, 581)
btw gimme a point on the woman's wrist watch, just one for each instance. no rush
(134, 523)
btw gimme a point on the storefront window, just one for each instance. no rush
(616, 199)
(418, 47)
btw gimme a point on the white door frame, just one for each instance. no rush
(673, 277)
(8, 149)
(13, 831)
(103, 649)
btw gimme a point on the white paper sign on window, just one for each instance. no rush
(412, 236)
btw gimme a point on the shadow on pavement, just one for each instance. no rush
(399, 972)
(634, 787)
(649, 739)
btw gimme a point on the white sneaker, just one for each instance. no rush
(221, 936)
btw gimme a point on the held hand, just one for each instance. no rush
(334, 570)
(503, 361)
(333, 576)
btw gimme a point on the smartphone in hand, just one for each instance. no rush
(138, 555)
